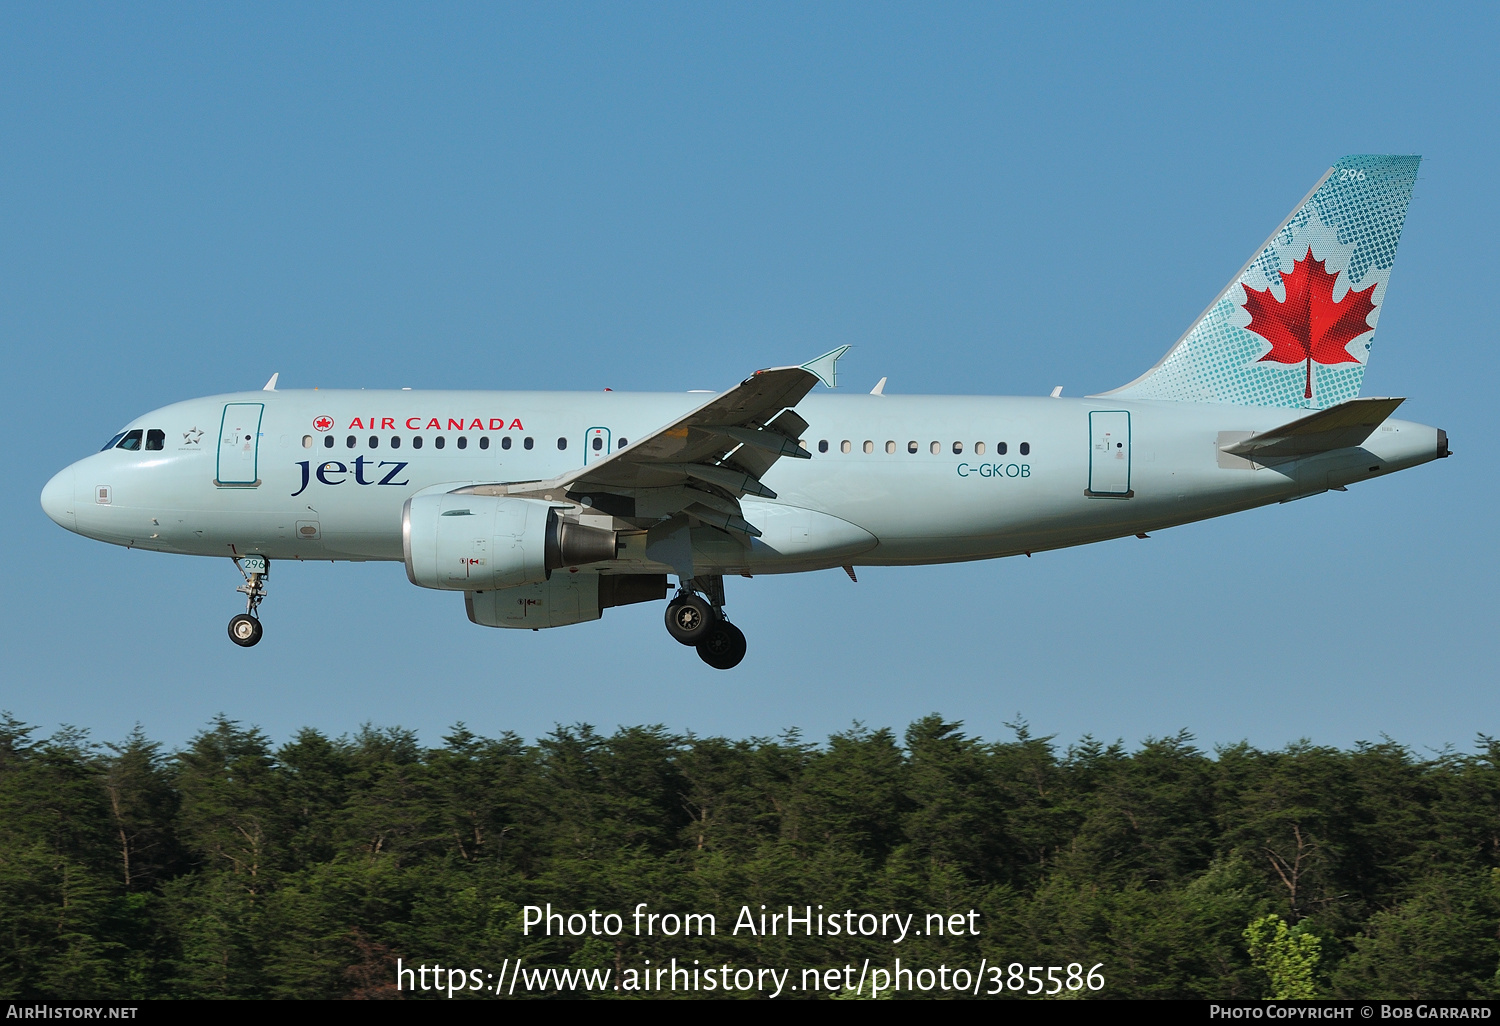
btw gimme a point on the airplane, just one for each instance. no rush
(546, 508)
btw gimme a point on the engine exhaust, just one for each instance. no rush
(570, 544)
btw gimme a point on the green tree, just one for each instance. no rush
(1287, 955)
(142, 806)
(1438, 943)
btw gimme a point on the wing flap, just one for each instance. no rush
(703, 462)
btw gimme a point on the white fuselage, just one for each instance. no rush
(324, 474)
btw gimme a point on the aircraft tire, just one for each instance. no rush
(723, 647)
(245, 630)
(689, 618)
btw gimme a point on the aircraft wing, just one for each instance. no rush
(1339, 427)
(703, 462)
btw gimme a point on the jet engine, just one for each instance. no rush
(482, 542)
(565, 599)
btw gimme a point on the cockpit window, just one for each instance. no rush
(131, 441)
(156, 439)
(113, 441)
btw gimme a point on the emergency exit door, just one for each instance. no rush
(596, 444)
(1109, 454)
(239, 445)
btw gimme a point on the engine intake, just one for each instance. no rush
(481, 542)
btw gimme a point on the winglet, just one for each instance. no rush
(826, 366)
(271, 385)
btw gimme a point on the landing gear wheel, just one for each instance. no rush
(689, 618)
(723, 646)
(244, 630)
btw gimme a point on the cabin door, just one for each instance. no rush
(1109, 454)
(239, 445)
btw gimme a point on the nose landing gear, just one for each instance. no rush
(695, 617)
(245, 629)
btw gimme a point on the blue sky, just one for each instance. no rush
(980, 199)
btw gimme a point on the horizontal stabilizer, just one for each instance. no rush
(1339, 427)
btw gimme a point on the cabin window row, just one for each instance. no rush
(438, 442)
(936, 448)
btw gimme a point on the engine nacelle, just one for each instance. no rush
(482, 542)
(563, 600)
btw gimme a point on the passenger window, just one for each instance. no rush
(869, 446)
(374, 441)
(527, 443)
(439, 442)
(562, 443)
(463, 441)
(978, 448)
(890, 447)
(1000, 448)
(156, 440)
(131, 442)
(958, 448)
(505, 442)
(846, 445)
(484, 441)
(936, 447)
(598, 443)
(349, 442)
(911, 447)
(416, 441)
(823, 445)
(328, 441)
(395, 441)
(307, 441)
(112, 442)
(1025, 448)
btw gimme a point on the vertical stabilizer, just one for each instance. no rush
(1294, 327)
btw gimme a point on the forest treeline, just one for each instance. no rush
(238, 868)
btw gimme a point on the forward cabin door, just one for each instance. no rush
(239, 445)
(1109, 454)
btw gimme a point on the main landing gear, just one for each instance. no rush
(245, 629)
(696, 617)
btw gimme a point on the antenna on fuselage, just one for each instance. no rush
(1057, 392)
(879, 388)
(271, 385)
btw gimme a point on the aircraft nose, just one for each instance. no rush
(58, 501)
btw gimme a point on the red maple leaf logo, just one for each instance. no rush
(1309, 326)
(323, 424)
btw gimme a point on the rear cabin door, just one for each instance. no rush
(239, 445)
(1109, 454)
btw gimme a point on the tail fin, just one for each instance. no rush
(1294, 327)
